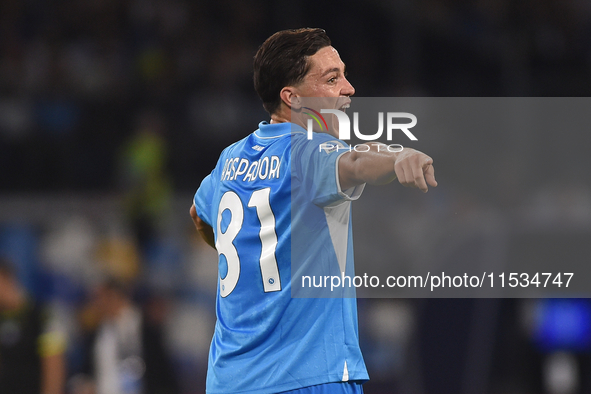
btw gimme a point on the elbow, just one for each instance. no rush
(200, 225)
(193, 213)
(347, 171)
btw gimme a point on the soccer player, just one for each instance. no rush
(275, 198)
(32, 350)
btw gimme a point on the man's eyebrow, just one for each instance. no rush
(334, 69)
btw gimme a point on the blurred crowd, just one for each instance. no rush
(111, 113)
(76, 77)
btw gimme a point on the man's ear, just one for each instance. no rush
(290, 98)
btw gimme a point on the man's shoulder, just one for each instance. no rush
(318, 143)
(238, 144)
(300, 140)
(256, 140)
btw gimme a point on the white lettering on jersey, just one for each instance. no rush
(264, 168)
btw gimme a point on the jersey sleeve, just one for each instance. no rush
(317, 164)
(203, 198)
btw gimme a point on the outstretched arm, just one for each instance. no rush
(379, 166)
(203, 228)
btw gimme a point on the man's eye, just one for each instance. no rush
(333, 79)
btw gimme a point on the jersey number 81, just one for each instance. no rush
(259, 200)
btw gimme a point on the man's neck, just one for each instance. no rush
(278, 118)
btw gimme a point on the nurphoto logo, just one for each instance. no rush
(345, 124)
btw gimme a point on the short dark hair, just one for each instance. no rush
(282, 61)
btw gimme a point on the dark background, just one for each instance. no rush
(103, 102)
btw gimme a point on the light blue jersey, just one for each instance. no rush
(265, 340)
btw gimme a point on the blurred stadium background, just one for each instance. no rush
(111, 113)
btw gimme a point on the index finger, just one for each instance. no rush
(419, 179)
(430, 175)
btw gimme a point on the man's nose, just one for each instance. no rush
(348, 89)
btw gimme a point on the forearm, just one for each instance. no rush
(374, 166)
(206, 232)
(379, 165)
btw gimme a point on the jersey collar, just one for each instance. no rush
(271, 130)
